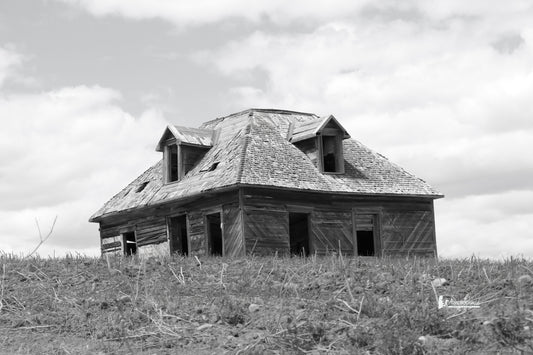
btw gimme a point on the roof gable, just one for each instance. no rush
(187, 135)
(311, 128)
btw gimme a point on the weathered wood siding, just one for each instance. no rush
(151, 230)
(408, 233)
(259, 223)
(233, 231)
(196, 230)
(403, 226)
(331, 230)
(266, 231)
(148, 230)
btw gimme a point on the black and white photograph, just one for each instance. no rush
(266, 177)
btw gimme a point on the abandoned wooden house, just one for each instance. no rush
(263, 181)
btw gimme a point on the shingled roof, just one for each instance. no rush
(254, 148)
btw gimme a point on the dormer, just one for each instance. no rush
(182, 148)
(321, 139)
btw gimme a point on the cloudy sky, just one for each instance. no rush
(444, 88)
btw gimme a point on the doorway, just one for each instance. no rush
(299, 234)
(130, 243)
(214, 234)
(365, 243)
(365, 232)
(177, 228)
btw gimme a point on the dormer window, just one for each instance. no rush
(182, 149)
(172, 162)
(332, 157)
(321, 140)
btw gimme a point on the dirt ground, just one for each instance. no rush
(264, 305)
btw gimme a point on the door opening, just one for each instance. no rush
(130, 244)
(178, 235)
(365, 243)
(365, 234)
(214, 234)
(299, 233)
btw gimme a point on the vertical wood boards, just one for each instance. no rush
(196, 230)
(402, 227)
(332, 229)
(257, 221)
(408, 233)
(266, 231)
(233, 237)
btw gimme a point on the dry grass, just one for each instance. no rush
(79, 305)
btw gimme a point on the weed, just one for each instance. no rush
(332, 304)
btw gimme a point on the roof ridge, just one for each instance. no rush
(265, 110)
(192, 128)
(275, 110)
(220, 119)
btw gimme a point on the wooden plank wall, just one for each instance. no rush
(406, 225)
(408, 233)
(196, 230)
(266, 231)
(331, 229)
(149, 230)
(152, 230)
(233, 231)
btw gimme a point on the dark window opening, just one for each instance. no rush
(178, 235)
(329, 163)
(214, 234)
(173, 163)
(142, 186)
(330, 154)
(299, 234)
(189, 157)
(130, 244)
(365, 243)
(213, 166)
(366, 234)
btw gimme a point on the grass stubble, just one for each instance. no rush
(263, 305)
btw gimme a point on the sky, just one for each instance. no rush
(444, 88)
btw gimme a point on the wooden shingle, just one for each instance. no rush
(256, 148)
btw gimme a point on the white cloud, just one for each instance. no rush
(441, 87)
(183, 13)
(207, 11)
(434, 97)
(63, 153)
(9, 60)
(494, 225)
(432, 93)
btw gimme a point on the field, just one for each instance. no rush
(260, 305)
